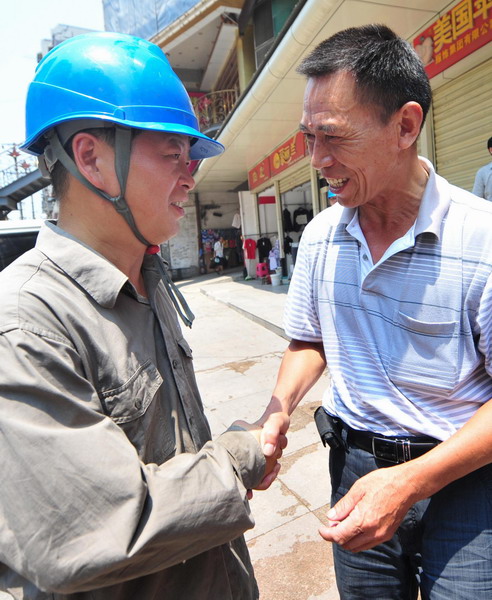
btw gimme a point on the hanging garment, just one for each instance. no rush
(249, 246)
(288, 244)
(287, 220)
(236, 221)
(300, 218)
(264, 246)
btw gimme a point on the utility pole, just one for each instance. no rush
(14, 153)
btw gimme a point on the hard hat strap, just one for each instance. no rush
(177, 298)
(122, 152)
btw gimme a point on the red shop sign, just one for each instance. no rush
(280, 159)
(259, 174)
(460, 31)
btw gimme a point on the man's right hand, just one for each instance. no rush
(274, 428)
(273, 441)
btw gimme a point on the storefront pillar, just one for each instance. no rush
(250, 225)
(280, 226)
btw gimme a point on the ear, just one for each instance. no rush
(95, 160)
(410, 117)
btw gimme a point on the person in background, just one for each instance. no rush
(483, 179)
(219, 256)
(392, 290)
(111, 486)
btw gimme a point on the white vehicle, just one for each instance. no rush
(16, 237)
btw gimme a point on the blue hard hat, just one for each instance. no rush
(116, 78)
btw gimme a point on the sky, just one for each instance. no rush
(23, 24)
(22, 27)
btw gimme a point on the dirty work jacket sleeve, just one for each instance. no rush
(79, 509)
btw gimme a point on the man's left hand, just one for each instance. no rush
(371, 511)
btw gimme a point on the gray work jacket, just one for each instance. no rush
(110, 486)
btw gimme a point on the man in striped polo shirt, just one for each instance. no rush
(392, 291)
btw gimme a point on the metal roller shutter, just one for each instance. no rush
(463, 124)
(296, 178)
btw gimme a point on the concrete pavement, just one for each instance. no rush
(238, 342)
(262, 303)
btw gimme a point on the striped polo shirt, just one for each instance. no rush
(408, 341)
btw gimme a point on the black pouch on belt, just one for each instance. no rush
(329, 429)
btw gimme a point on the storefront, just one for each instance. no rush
(230, 238)
(285, 190)
(462, 124)
(456, 50)
(454, 41)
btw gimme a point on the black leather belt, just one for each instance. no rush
(392, 449)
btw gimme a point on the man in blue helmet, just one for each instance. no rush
(111, 487)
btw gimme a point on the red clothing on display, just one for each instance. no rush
(250, 247)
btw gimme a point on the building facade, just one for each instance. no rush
(238, 59)
(217, 48)
(454, 40)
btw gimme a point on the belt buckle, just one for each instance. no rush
(385, 449)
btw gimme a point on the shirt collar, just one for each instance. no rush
(101, 279)
(435, 202)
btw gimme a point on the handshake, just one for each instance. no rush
(270, 432)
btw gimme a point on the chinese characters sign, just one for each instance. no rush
(259, 174)
(288, 153)
(280, 159)
(463, 29)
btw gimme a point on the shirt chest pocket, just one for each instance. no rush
(423, 355)
(130, 400)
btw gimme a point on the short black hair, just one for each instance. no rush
(388, 72)
(489, 143)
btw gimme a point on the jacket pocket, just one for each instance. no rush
(424, 355)
(185, 347)
(131, 400)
